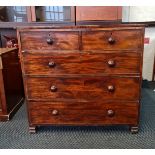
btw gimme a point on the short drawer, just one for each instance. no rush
(66, 113)
(112, 40)
(83, 88)
(39, 63)
(60, 40)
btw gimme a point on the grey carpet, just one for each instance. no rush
(14, 134)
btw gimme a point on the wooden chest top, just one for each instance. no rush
(5, 50)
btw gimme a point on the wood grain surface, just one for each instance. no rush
(38, 63)
(92, 113)
(123, 40)
(82, 75)
(83, 88)
(61, 40)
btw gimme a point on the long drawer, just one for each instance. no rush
(83, 88)
(112, 40)
(83, 113)
(61, 62)
(52, 40)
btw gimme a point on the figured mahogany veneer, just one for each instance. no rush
(61, 62)
(90, 113)
(82, 75)
(50, 40)
(112, 40)
(83, 88)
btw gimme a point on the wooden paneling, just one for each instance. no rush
(33, 13)
(94, 13)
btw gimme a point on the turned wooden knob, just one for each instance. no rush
(51, 64)
(110, 113)
(53, 88)
(55, 112)
(49, 41)
(111, 40)
(111, 88)
(111, 63)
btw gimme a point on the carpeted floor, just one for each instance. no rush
(14, 134)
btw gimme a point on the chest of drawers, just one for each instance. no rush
(82, 75)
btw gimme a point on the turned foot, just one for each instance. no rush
(134, 129)
(32, 129)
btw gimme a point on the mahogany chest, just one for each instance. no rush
(11, 84)
(82, 75)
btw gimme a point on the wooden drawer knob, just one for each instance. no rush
(53, 88)
(110, 113)
(49, 41)
(55, 112)
(51, 64)
(111, 63)
(111, 88)
(111, 40)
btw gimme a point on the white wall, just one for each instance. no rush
(138, 13)
(149, 52)
(141, 14)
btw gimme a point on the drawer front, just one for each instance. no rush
(83, 113)
(50, 40)
(112, 40)
(0, 105)
(83, 88)
(80, 63)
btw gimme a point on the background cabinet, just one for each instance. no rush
(98, 13)
(11, 84)
(54, 14)
(10, 17)
(13, 14)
